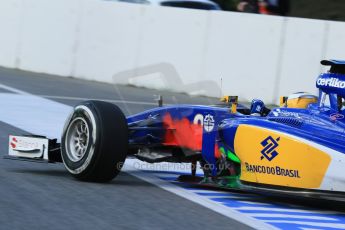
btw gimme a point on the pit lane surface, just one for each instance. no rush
(45, 196)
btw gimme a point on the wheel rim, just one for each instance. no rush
(77, 139)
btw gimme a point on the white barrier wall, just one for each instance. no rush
(173, 48)
(244, 50)
(301, 53)
(10, 19)
(48, 36)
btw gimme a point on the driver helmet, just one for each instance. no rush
(300, 100)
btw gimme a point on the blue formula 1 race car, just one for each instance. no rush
(298, 148)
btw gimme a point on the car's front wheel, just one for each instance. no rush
(94, 143)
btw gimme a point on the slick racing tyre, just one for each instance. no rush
(94, 142)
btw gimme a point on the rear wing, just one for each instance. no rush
(337, 66)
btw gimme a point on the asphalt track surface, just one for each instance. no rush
(42, 196)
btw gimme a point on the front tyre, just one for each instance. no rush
(94, 143)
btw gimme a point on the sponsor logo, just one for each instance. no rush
(276, 170)
(290, 167)
(276, 114)
(270, 152)
(270, 145)
(279, 112)
(332, 82)
(336, 116)
(198, 119)
(18, 143)
(13, 142)
(208, 123)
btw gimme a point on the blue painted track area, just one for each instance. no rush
(281, 215)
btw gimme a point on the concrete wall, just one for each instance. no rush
(171, 48)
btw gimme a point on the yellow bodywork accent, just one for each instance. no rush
(282, 101)
(231, 100)
(294, 163)
(300, 103)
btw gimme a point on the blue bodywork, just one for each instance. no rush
(322, 123)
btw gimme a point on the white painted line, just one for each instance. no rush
(284, 210)
(13, 90)
(310, 228)
(255, 203)
(208, 191)
(17, 91)
(99, 99)
(203, 201)
(33, 114)
(239, 197)
(272, 215)
(228, 193)
(314, 224)
(225, 194)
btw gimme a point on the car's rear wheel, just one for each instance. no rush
(94, 143)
